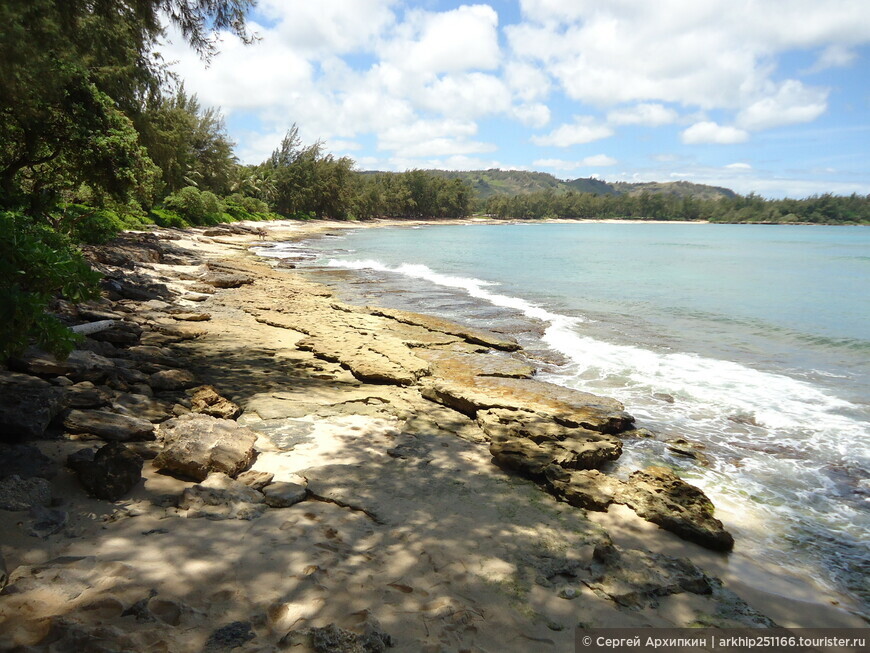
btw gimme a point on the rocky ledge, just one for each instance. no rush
(240, 392)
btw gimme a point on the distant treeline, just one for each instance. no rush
(818, 209)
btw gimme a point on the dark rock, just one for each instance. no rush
(109, 426)
(171, 380)
(137, 291)
(47, 521)
(683, 447)
(230, 636)
(332, 639)
(4, 574)
(27, 406)
(195, 445)
(80, 365)
(206, 400)
(662, 396)
(112, 473)
(18, 493)
(25, 461)
(85, 395)
(122, 333)
(659, 496)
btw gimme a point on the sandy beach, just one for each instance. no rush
(369, 514)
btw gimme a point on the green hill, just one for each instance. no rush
(488, 183)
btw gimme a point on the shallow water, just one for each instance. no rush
(752, 340)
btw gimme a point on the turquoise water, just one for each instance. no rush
(752, 340)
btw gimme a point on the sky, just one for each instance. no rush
(764, 96)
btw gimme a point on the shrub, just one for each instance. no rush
(38, 264)
(195, 206)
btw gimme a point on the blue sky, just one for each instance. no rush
(766, 96)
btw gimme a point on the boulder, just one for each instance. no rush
(25, 461)
(85, 395)
(689, 449)
(143, 407)
(122, 333)
(225, 279)
(588, 489)
(222, 497)
(80, 365)
(111, 473)
(207, 401)
(18, 493)
(529, 443)
(171, 380)
(659, 496)
(196, 445)
(27, 406)
(109, 426)
(283, 494)
(255, 479)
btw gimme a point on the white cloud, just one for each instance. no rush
(432, 138)
(833, 56)
(650, 114)
(466, 95)
(711, 132)
(532, 115)
(527, 82)
(463, 39)
(738, 166)
(583, 130)
(791, 103)
(597, 160)
(715, 54)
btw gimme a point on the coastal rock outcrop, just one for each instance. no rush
(529, 443)
(659, 496)
(588, 488)
(196, 445)
(222, 497)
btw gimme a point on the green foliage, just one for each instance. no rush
(413, 194)
(168, 219)
(195, 206)
(819, 209)
(38, 264)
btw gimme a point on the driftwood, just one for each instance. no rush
(93, 327)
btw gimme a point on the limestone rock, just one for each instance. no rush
(207, 401)
(181, 331)
(529, 443)
(143, 407)
(469, 394)
(588, 489)
(109, 426)
(683, 447)
(225, 280)
(474, 336)
(221, 497)
(112, 473)
(659, 496)
(332, 639)
(283, 494)
(195, 445)
(171, 380)
(255, 479)
(18, 493)
(27, 406)
(191, 317)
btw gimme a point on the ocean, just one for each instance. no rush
(752, 340)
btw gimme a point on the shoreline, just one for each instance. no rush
(374, 454)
